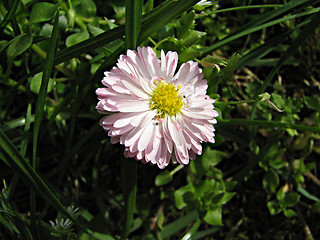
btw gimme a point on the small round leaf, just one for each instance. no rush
(42, 11)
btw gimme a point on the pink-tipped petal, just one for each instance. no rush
(137, 117)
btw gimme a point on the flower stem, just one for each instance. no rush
(129, 191)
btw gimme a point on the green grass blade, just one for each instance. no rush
(39, 113)
(157, 10)
(179, 224)
(129, 166)
(193, 230)
(315, 21)
(262, 50)
(167, 14)
(133, 23)
(88, 45)
(76, 148)
(12, 157)
(248, 7)
(272, 14)
(152, 22)
(129, 189)
(268, 124)
(44, 86)
(9, 15)
(255, 29)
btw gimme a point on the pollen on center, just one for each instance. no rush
(166, 100)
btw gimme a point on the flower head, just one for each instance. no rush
(158, 114)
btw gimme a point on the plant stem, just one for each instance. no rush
(129, 190)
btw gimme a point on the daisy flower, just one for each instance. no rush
(158, 114)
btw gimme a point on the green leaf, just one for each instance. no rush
(213, 157)
(273, 207)
(36, 83)
(186, 23)
(218, 198)
(214, 217)
(42, 11)
(280, 194)
(227, 197)
(77, 38)
(191, 38)
(230, 67)
(316, 207)
(94, 30)
(271, 180)
(19, 44)
(290, 200)
(289, 213)
(85, 8)
(312, 102)
(182, 194)
(163, 178)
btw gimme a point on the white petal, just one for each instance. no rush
(132, 106)
(133, 136)
(182, 74)
(125, 120)
(175, 134)
(145, 137)
(135, 89)
(193, 114)
(137, 120)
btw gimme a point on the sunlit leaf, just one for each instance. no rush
(42, 11)
(214, 217)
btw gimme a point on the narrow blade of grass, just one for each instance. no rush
(255, 29)
(152, 22)
(44, 86)
(129, 189)
(269, 124)
(39, 113)
(315, 20)
(129, 166)
(272, 14)
(133, 23)
(12, 157)
(178, 224)
(9, 15)
(167, 14)
(262, 50)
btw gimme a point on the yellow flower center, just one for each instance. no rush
(165, 99)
